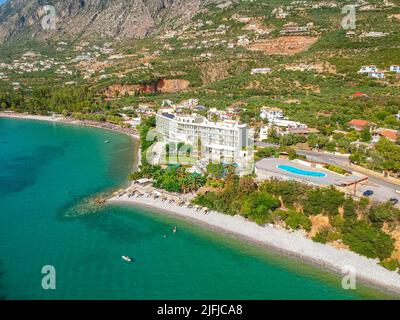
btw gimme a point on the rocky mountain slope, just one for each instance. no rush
(115, 19)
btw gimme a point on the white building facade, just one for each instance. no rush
(271, 114)
(395, 68)
(377, 75)
(217, 140)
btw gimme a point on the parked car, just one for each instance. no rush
(368, 193)
(394, 201)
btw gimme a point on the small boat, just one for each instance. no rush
(127, 259)
(106, 141)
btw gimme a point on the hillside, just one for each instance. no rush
(208, 53)
(21, 19)
(112, 60)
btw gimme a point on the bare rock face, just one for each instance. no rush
(115, 19)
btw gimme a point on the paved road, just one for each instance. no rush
(383, 190)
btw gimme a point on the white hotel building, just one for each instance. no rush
(226, 140)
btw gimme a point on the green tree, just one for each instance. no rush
(365, 134)
(295, 219)
(325, 201)
(215, 170)
(383, 212)
(258, 206)
(367, 240)
(349, 209)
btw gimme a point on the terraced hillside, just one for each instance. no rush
(209, 53)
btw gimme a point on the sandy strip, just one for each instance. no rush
(333, 259)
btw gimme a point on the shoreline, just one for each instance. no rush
(84, 123)
(72, 121)
(295, 245)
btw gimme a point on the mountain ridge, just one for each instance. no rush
(118, 19)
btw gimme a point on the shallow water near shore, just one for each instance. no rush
(48, 168)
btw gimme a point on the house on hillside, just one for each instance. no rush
(234, 110)
(271, 114)
(358, 124)
(144, 109)
(302, 131)
(389, 134)
(377, 75)
(368, 69)
(373, 34)
(359, 95)
(395, 68)
(292, 28)
(261, 71)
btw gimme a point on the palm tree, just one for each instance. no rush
(185, 186)
(195, 182)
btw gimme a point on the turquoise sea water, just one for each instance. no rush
(45, 169)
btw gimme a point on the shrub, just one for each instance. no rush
(367, 240)
(325, 201)
(295, 219)
(289, 191)
(349, 209)
(382, 212)
(391, 264)
(258, 206)
(321, 236)
(336, 169)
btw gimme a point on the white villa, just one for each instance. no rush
(219, 140)
(285, 123)
(276, 117)
(271, 114)
(377, 75)
(395, 68)
(373, 71)
(368, 69)
(283, 126)
(261, 71)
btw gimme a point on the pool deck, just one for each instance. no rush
(268, 168)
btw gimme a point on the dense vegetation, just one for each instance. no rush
(291, 204)
(172, 179)
(77, 102)
(323, 98)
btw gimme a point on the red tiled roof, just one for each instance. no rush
(359, 94)
(358, 123)
(390, 134)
